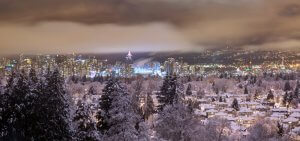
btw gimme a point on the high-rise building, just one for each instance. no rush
(169, 66)
(128, 65)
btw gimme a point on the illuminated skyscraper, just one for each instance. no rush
(128, 65)
(170, 66)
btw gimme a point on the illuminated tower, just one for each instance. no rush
(129, 56)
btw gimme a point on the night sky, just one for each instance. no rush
(104, 26)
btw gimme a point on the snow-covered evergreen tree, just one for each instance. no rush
(137, 95)
(4, 115)
(85, 126)
(6, 109)
(17, 107)
(296, 92)
(167, 92)
(92, 91)
(246, 90)
(235, 104)
(53, 109)
(124, 120)
(118, 118)
(31, 100)
(179, 95)
(176, 120)
(33, 78)
(2, 106)
(285, 99)
(189, 89)
(287, 86)
(149, 107)
(270, 96)
(256, 94)
(220, 99)
(280, 131)
(103, 115)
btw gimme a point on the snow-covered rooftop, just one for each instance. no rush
(295, 115)
(290, 119)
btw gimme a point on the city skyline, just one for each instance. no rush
(208, 63)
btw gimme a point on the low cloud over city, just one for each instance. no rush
(95, 26)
